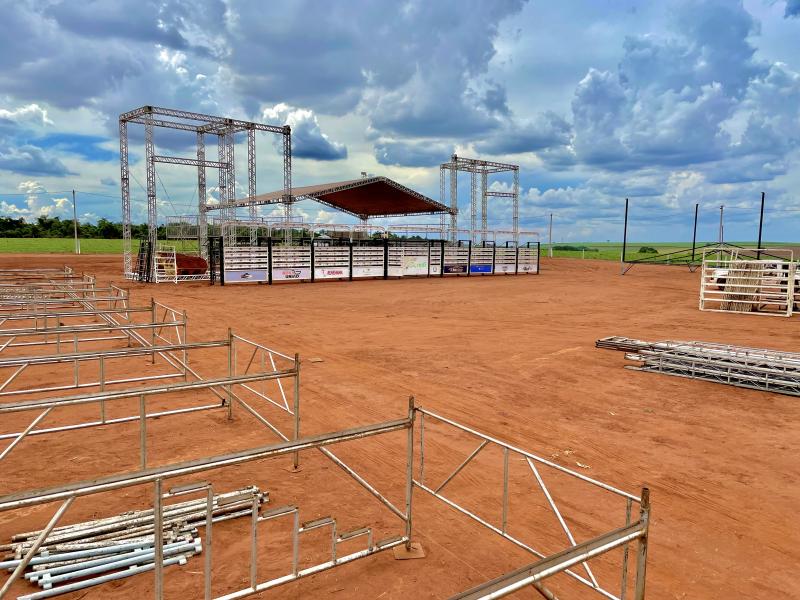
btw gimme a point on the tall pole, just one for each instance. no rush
(624, 237)
(75, 224)
(721, 231)
(694, 231)
(550, 244)
(760, 226)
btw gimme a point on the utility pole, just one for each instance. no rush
(550, 251)
(760, 226)
(75, 224)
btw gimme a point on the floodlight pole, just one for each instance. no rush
(760, 226)
(694, 231)
(75, 223)
(624, 237)
(721, 231)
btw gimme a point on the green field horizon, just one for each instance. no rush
(583, 250)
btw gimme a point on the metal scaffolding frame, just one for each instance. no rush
(479, 171)
(577, 554)
(225, 129)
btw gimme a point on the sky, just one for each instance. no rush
(666, 103)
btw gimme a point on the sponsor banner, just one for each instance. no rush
(415, 265)
(527, 268)
(480, 268)
(504, 268)
(368, 271)
(455, 268)
(245, 275)
(435, 270)
(331, 272)
(290, 274)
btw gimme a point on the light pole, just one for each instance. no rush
(75, 224)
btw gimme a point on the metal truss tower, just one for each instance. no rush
(153, 117)
(479, 193)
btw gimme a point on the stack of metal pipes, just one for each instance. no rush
(753, 368)
(82, 555)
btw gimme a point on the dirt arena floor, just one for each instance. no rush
(513, 357)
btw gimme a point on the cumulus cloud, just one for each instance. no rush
(792, 9)
(31, 160)
(412, 154)
(308, 141)
(30, 113)
(37, 203)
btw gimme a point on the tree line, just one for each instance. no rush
(55, 227)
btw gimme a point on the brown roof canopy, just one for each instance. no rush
(363, 198)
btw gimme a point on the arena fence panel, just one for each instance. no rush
(758, 281)
(339, 259)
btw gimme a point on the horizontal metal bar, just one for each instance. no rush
(146, 391)
(177, 160)
(539, 459)
(107, 353)
(555, 563)
(85, 488)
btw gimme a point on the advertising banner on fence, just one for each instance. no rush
(480, 268)
(245, 275)
(415, 265)
(504, 268)
(455, 269)
(527, 268)
(290, 274)
(373, 271)
(331, 272)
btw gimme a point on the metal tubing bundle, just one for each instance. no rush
(82, 555)
(753, 368)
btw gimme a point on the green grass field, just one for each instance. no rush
(593, 250)
(61, 245)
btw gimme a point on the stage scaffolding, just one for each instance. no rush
(479, 171)
(202, 125)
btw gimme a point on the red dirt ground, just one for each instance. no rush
(510, 356)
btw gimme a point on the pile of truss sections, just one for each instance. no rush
(82, 555)
(753, 368)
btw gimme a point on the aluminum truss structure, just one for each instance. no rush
(479, 171)
(225, 128)
(739, 366)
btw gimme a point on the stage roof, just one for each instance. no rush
(364, 198)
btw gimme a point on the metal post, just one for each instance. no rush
(484, 206)
(469, 258)
(124, 184)
(453, 200)
(152, 203)
(694, 231)
(550, 252)
(760, 226)
(386, 258)
(75, 223)
(221, 246)
(641, 557)
(231, 370)
(202, 224)
(296, 455)
(410, 470)
(515, 215)
(538, 255)
(624, 237)
(269, 259)
(158, 540)
(207, 549)
(350, 276)
(473, 215)
(721, 223)
(441, 260)
(251, 178)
